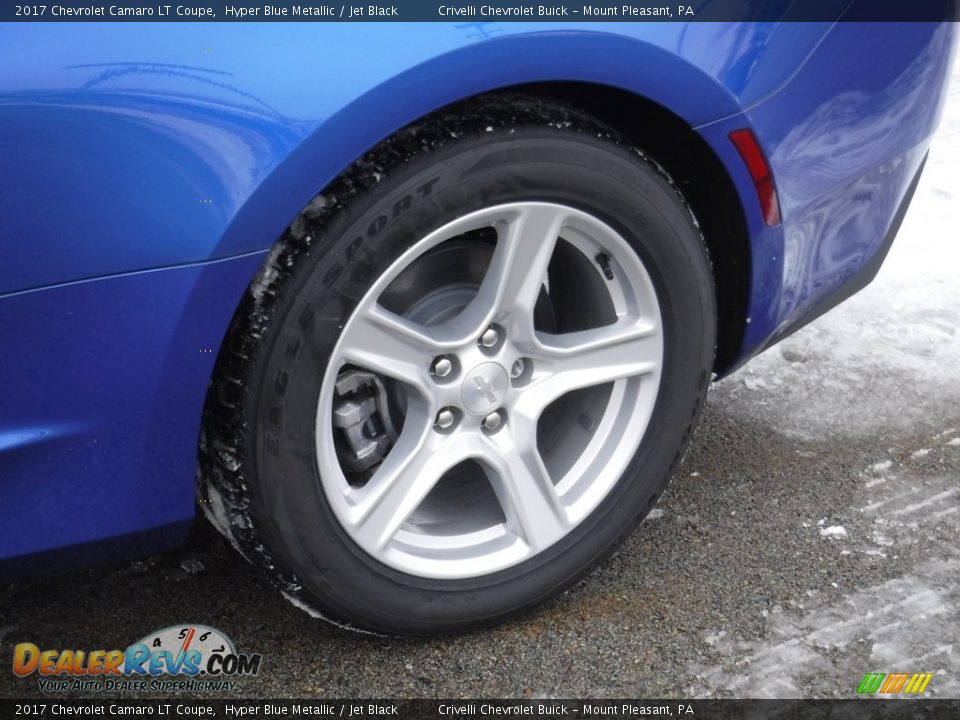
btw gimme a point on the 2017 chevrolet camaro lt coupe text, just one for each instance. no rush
(423, 321)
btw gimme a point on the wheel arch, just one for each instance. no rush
(668, 138)
(656, 108)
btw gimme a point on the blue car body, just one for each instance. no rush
(146, 170)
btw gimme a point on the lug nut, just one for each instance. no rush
(516, 370)
(446, 419)
(490, 337)
(492, 421)
(442, 367)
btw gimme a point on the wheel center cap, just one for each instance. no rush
(483, 388)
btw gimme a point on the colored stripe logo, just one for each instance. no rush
(892, 683)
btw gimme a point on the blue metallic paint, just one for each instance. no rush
(104, 392)
(845, 140)
(144, 179)
(122, 154)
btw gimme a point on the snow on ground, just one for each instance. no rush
(870, 365)
(881, 370)
(904, 624)
(895, 626)
(834, 531)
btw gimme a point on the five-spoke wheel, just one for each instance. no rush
(466, 372)
(470, 389)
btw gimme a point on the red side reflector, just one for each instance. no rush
(756, 163)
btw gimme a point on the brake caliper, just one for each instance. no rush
(362, 415)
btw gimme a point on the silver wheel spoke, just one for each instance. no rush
(400, 484)
(576, 360)
(518, 267)
(525, 490)
(385, 343)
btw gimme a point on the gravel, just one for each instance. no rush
(732, 591)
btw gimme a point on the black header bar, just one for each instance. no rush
(318, 709)
(478, 11)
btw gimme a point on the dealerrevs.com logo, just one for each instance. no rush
(183, 657)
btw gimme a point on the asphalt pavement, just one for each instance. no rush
(735, 589)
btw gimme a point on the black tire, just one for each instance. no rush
(257, 465)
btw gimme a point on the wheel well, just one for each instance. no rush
(702, 179)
